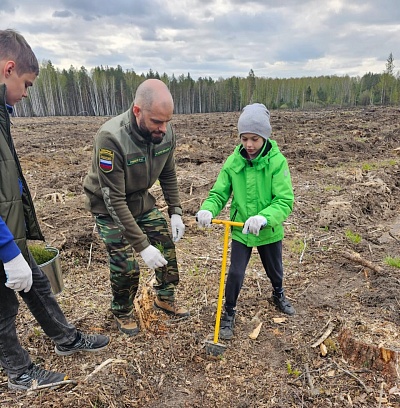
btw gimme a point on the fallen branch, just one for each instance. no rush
(326, 334)
(368, 390)
(356, 258)
(36, 387)
(48, 225)
(395, 238)
(102, 365)
(314, 391)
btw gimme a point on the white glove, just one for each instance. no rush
(19, 274)
(153, 257)
(177, 226)
(204, 218)
(254, 224)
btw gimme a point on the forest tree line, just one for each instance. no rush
(107, 91)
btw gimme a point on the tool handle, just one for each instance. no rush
(227, 222)
(227, 225)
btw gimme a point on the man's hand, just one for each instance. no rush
(254, 224)
(19, 274)
(153, 257)
(204, 218)
(177, 226)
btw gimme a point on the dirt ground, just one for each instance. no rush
(345, 172)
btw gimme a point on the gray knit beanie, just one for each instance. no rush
(255, 119)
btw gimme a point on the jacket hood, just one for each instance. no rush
(269, 150)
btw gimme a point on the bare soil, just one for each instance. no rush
(345, 172)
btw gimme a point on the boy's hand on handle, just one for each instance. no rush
(19, 274)
(204, 218)
(177, 226)
(254, 224)
(153, 257)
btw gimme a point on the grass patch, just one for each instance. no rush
(296, 246)
(395, 262)
(292, 371)
(353, 237)
(378, 165)
(332, 187)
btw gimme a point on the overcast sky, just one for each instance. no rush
(212, 38)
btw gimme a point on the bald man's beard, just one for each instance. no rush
(153, 137)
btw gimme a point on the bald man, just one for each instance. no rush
(131, 152)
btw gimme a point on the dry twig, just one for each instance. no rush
(90, 255)
(304, 249)
(48, 225)
(368, 390)
(395, 238)
(36, 387)
(326, 334)
(381, 394)
(102, 365)
(54, 197)
(314, 391)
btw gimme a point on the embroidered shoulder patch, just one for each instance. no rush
(106, 160)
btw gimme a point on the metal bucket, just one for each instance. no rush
(52, 269)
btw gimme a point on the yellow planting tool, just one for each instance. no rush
(213, 347)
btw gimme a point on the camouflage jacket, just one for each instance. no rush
(124, 167)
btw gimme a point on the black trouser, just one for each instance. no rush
(271, 258)
(44, 306)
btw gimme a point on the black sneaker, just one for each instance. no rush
(283, 304)
(226, 326)
(35, 374)
(85, 342)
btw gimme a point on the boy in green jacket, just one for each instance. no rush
(257, 177)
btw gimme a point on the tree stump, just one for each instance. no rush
(370, 356)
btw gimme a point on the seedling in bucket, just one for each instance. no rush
(213, 347)
(48, 261)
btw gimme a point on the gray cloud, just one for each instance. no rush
(62, 14)
(289, 38)
(7, 6)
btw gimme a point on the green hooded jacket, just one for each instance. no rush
(261, 186)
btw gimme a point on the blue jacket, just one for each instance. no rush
(261, 186)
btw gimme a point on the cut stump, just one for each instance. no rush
(363, 355)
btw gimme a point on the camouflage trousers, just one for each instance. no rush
(124, 268)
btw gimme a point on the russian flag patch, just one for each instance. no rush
(106, 160)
